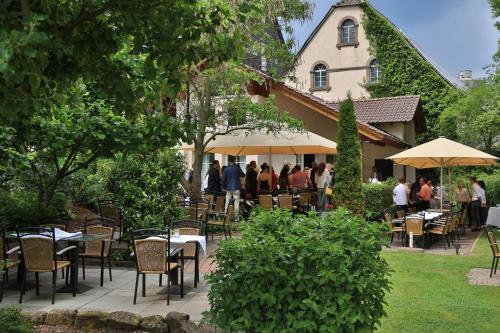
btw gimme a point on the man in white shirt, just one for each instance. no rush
(400, 195)
(478, 200)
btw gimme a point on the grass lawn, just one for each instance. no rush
(431, 293)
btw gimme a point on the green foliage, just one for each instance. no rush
(13, 321)
(474, 119)
(144, 187)
(377, 198)
(491, 180)
(405, 71)
(20, 208)
(347, 190)
(495, 8)
(300, 274)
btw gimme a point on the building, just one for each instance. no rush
(333, 61)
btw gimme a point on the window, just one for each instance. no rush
(319, 74)
(373, 72)
(348, 32)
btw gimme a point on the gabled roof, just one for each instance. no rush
(348, 3)
(400, 109)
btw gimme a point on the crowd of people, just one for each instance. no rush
(236, 183)
(421, 195)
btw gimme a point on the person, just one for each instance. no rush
(400, 195)
(414, 189)
(283, 178)
(477, 201)
(263, 179)
(462, 196)
(214, 179)
(231, 183)
(425, 194)
(329, 168)
(375, 176)
(483, 210)
(300, 180)
(312, 174)
(322, 180)
(274, 179)
(251, 180)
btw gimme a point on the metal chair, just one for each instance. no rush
(415, 226)
(225, 223)
(285, 201)
(5, 262)
(191, 250)
(155, 256)
(495, 251)
(395, 228)
(39, 255)
(98, 249)
(108, 210)
(266, 201)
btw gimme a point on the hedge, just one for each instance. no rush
(378, 197)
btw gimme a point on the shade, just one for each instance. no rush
(259, 143)
(442, 152)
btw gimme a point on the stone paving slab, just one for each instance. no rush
(481, 277)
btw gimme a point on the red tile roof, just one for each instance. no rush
(385, 110)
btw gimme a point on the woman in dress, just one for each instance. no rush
(283, 178)
(322, 180)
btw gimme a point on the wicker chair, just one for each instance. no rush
(400, 229)
(108, 210)
(98, 249)
(415, 225)
(266, 201)
(285, 201)
(442, 228)
(5, 262)
(154, 256)
(39, 255)
(191, 250)
(400, 214)
(305, 201)
(495, 251)
(225, 223)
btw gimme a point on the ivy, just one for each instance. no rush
(405, 71)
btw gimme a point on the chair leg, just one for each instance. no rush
(83, 268)
(392, 237)
(37, 284)
(54, 280)
(102, 271)
(182, 278)
(196, 270)
(62, 273)
(67, 275)
(23, 286)
(109, 268)
(168, 288)
(160, 280)
(143, 285)
(4, 277)
(136, 285)
(496, 266)
(492, 267)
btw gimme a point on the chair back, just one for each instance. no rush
(187, 227)
(98, 227)
(152, 254)
(266, 201)
(415, 225)
(412, 210)
(493, 243)
(285, 201)
(219, 204)
(400, 214)
(209, 198)
(388, 219)
(305, 199)
(38, 248)
(228, 219)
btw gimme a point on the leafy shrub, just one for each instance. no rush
(492, 183)
(20, 207)
(144, 187)
(13, 321)
(300, 274)
(378, 197)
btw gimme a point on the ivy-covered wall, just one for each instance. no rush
(405, 71)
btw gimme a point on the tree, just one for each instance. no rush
(495, 8)
(217, 102)
(222, 106)
(348, 189)
(475, 118)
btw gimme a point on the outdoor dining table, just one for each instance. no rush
(493, 217)
(76, 240)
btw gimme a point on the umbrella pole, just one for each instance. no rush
(441, 190)
(449, 183)
(271, 171)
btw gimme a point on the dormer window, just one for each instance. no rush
(348, 32)
(319, 77)
(373, 72)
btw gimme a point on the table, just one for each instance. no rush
(75, 240)
(493, 217)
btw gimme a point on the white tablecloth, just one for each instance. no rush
(58, 234)
(494, 216)
(181, 240)
(431, 216)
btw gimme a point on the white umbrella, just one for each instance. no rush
(441, 153)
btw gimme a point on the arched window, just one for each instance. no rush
(348, 32)
(373, 72)
(319, 75)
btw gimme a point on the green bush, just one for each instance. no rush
(144, 187)
(378, 197)
(291, 273)
(13, 321)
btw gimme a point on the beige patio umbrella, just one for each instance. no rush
(260, 143)
(441, 153)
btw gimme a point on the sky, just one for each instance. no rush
(454, 34)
